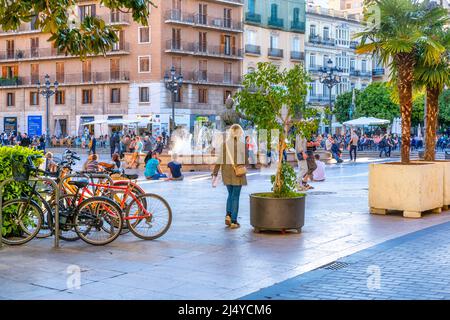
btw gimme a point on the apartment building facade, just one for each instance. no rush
(274, 32)
(97, 88)
(202, 40)
(329, 35)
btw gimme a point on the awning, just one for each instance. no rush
(367, 121)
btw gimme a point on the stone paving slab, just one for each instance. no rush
(414, 266)
(199, 258)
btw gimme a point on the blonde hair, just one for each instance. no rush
(236, 131)
(92, 157)
(49, 155)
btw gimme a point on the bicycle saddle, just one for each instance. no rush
(130, 176)
(79, 183)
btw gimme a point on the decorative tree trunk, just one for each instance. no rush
(432, 121)
(281, 147)
(405, 63)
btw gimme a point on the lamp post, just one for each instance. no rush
(330, 76)
(173, 84)
(47, 92)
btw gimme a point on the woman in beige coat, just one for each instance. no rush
(232, 160)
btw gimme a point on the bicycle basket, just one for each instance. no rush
(20, 171)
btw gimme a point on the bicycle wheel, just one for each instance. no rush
(42, 199)
(123, 199)
(22, 219)
(67, 206)
(151, 221)
(98, 220)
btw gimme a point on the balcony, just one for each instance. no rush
(321, 98)
(117, 18)
(23, 28)
(353, 44)
(365, 74)
(314, 68)
(229, 2)
(252, 17)
(76, 78)
(201, 20)
(318, 40)
(298, 26)
(12, 81)
(203, 77)
(275, 53)
(276, 22)
(252, 49)
(297, 55)
(47, 53)
(202, 49)
(378, 72)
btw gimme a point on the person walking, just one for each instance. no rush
(232, 166)
(300, 151)
(353, 145)
(383, 145)
(92, 145)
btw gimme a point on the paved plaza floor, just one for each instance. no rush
(201, 259)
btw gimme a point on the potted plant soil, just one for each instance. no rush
(274, 101)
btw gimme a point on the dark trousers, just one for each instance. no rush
(385, 150)
(234, 192)
(113, 148)
(353, 152)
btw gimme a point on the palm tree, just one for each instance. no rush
(396, 33)
(434, 77)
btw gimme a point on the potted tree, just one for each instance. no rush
(398, 33)
(274, 100)
(432, 76)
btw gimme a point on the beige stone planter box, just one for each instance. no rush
(412, 188)
(446, 168)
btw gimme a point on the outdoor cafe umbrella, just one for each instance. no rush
(366, 121)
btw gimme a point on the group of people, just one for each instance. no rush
(22, 139)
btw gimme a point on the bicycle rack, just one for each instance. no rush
(56, 190)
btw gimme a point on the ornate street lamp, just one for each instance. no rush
(173, 83)
(47, 92)
(330, 76)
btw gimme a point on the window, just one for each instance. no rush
(10, 49)
(87, 11)
(34, 98)
(251, 6)
(86, 96)
(115, 95)
(227, 18)
(363, 66)
(120, 44)
(352, 64)
(202, 42)
(312, 89)
(144, 94)
(274, 41)
(176, 4)
(250, 70)
(202, 13)
(348, 6)
(296, 18)
(227, 72)
(312, 60)
(34, 73)
(60, 97)
(176, 39)
(176, 62)
(274, 11)
(115, 16)
(60, 72)
(114, 68)
(178, 95)
(312, 30)
(144, 64)
(251, 37)
(296, 44)
(10, 99)
(86, 70)
(228, 44)
(226, 94)
(144, 35)
(9, 72)
(34, 45)
(203, 70)
(202, 95)
(326, 33)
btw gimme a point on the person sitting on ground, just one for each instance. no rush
(175, 169)
(319, 173)
(152, 169)
(50, 164)
(91, 164)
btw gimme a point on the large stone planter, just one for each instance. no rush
(412, 188)
(277, 214)
(446, 180)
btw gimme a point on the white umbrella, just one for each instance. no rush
(366, 121)
(94, 122)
